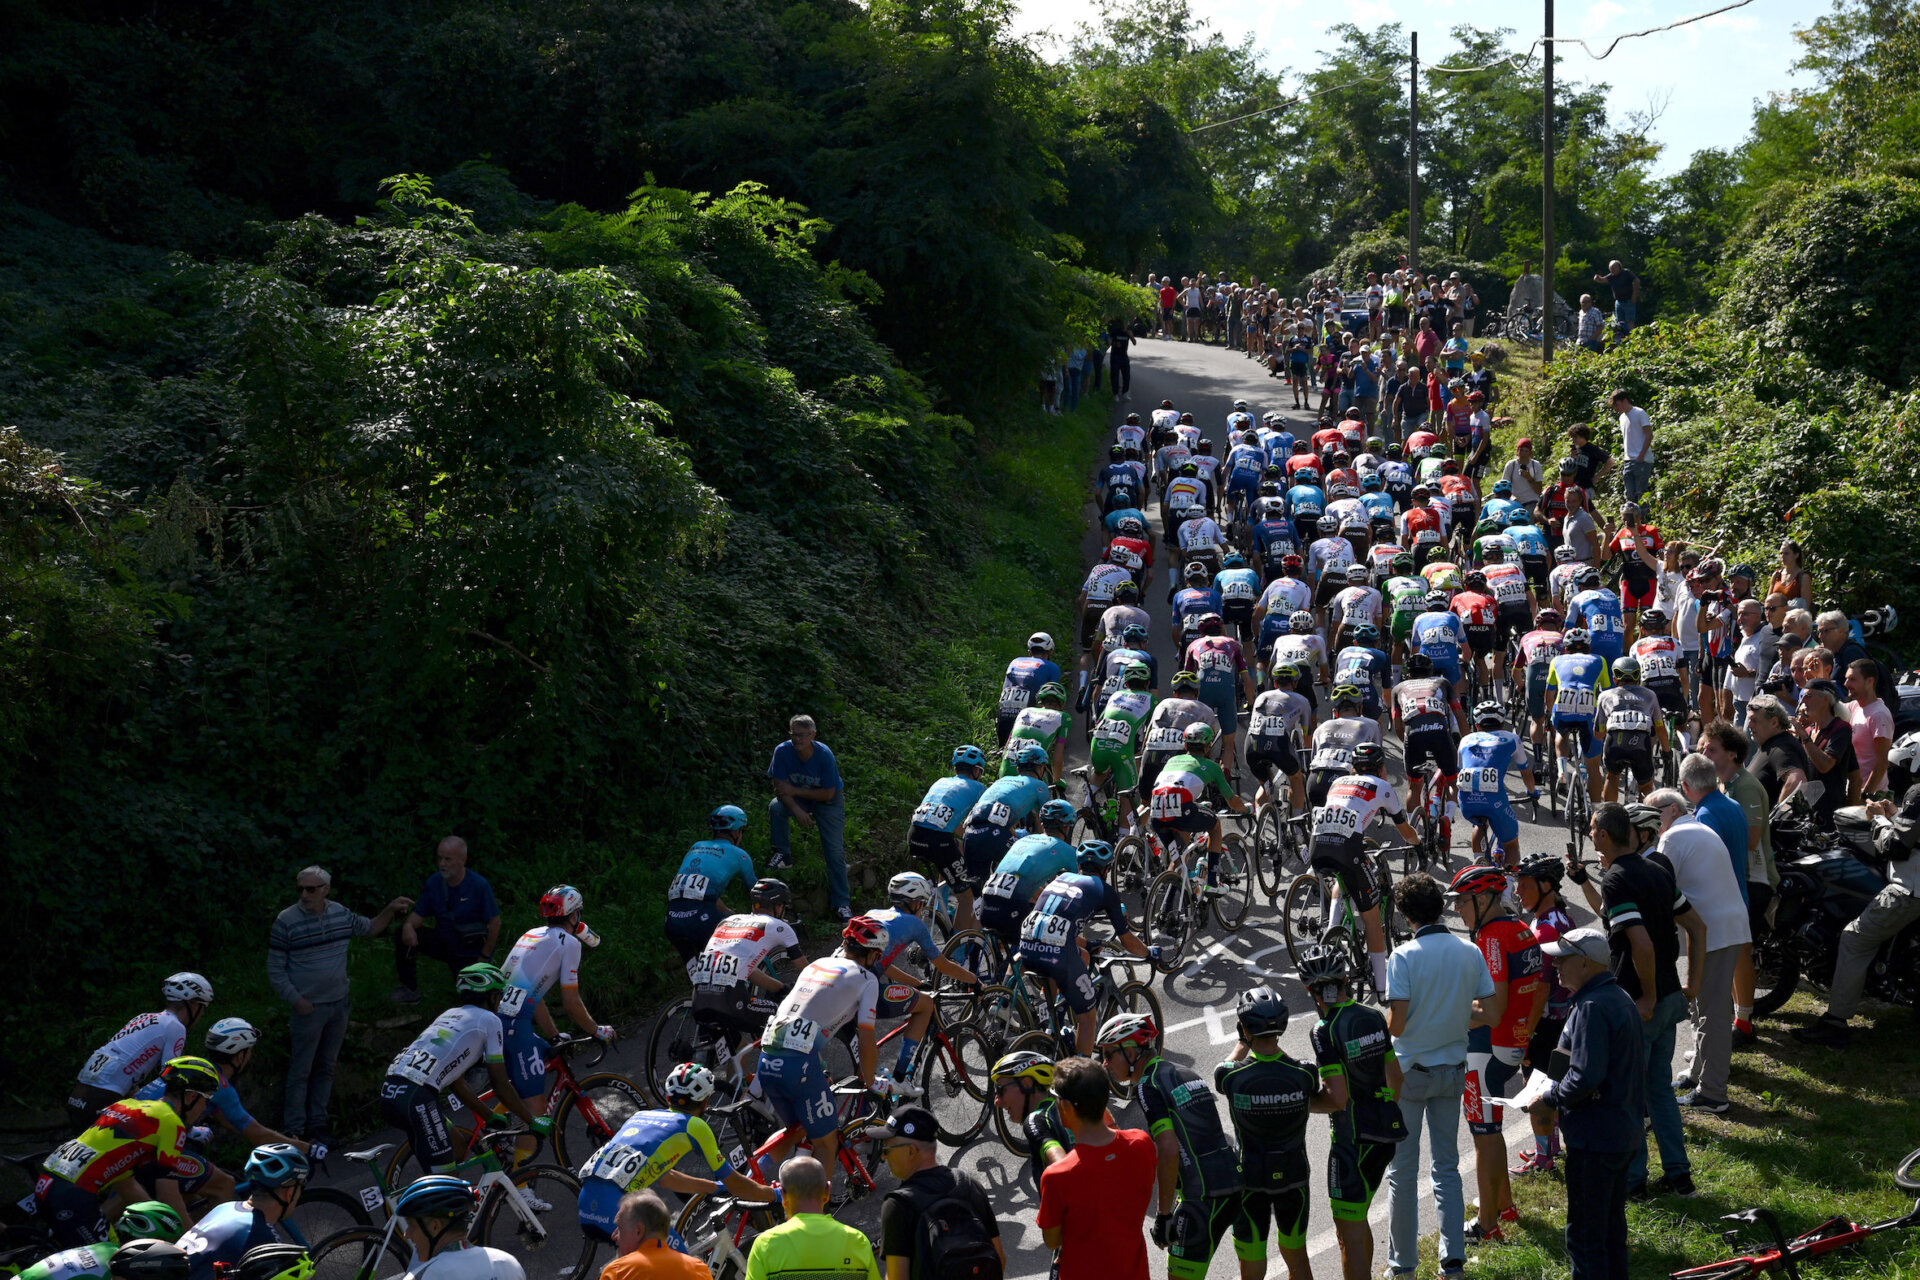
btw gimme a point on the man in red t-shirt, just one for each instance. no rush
(1094, 1203)
(1168, 297)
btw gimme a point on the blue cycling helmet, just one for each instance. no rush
(1095, 856)
(1056, 813)
(438, 1195)
(728, 817)
(1502, 488)
(1364, 631)
(275, 1165)
(1031, 754)
(1516, 518)
(1135, 635)
(969, 756)
(1370, 482)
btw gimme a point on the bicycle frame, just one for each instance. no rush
(1835, 1233)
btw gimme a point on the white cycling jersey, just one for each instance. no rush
(467, 1262)
(740, 944)
(135, 1053)
(1309, 653)
(1328, 553)
(830, 993)
(462, 1037)
(1202, 532)
(1353, 802)
(1286, 596)
(1103, 580)
(543, 958)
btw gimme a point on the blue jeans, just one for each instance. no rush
(1090, 372)
(1624, 314)
(1636, 478)
(1597, 1212)
(1070, 393)
(831, 821)
(317, 1038)
(1657, 1035)
(1430, 1100)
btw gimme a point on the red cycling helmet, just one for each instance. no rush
(865, 931)
(1478, 879)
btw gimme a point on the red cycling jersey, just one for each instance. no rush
(1474, 609)
(1300, 462)
(1513, 958)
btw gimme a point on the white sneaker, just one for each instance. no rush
(534, 1202)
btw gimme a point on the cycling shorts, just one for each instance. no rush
(1436, 744)
(1196, 1231)
(1239, 484)
(1345, 857)
(1623, 751)
(690, 926)
(1065, 969)
(1490, 1069)
(1536, 568)
(1090, 622)
(1448, 666)
(1319, 782)
(599, 1201)
(1236, 612)
(739, 1007)
(1268, 756)
(1401, 624)
(190, 1171)
(1332, 583)
(981, 850)
(414, 1109)
(1589, 744)
(1195, 821)
(1003, 917)
(1495, 810)
(1225, 701)
(1537, 690)
(1117, 761)
(895, 1000)
(1354, 1171)
(1286, 1210)
(1631, 598)
(1306, 526)
(526, 1055)
(939, 850)
(1607, 644)
(1512, 620)
(1671, 693)
(72, 1215)
(797, 1088)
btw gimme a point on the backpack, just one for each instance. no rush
(950, 1241)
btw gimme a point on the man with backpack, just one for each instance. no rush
(939, 1224)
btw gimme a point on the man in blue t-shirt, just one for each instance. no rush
(807, 790)
(466, 921)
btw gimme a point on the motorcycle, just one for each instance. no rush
(1826, 879)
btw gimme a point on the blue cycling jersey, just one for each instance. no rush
(1378, 505)
(1598, 611)
(1034, 861)
(1009, 802)
(721, 863)
(1246, 462)
(1236, 586)
(225, 1103)
(1305, 500)
(1119, 475)
(1396, 475)
(1113, 518)
(224, 1236)
(1191, 602)
(1528, 539)
(1576, 671)
(1272, 535)
(1439, 634)
(1029, 674)
(1498, 509)
(904, 929)
(1485, 758)
(947, 803)
(1366, 668)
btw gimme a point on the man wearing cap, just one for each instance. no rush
(1524, 472)
(1599, 1097)
(914, 1160)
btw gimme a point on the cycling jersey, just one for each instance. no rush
(1278, 714)
(1396, 477)
(1560, 582)
(1351, 1041)
(1133, 553)
(741, 944)
(1541, 647)
(1237, 588)
(1166, 730)
(1268, 1100)
(1528, 539)
(462, 1037)
(1441, 575)
(709, 870)
(1031, 863)
(128, 1135)
(1418, 525)
(1345, 509)
(1626, 715)
(1023, 680)
(1130, 435)
(1366, 669)
(1352, 803)
(1377, 505)
(224, 1103)
(1102, 581)
(1274, 536)
(1406, 596)
(1308, 652)
(1327, 554)
(1575, 680)
(1483, 762)
(1053, 926)
(1043, 725)
(1111, 521)
(1183, 784)
(647, 1146)
(1598, 611)
(1245, 463)
(73, 1264)
(1547, 927)
(135, 1052)
(1285, 596)
(1473, 609)
(1219, 662)
(830, 993)
(1334, 741)
(1508, 585)
(1659, 659)
(1009, 802)
(1117, 734)
(1191, 602)
(1200, 532)
(904, 930)
(1355, 605)
(1439, 635)
(1499, 510)
(543, 957)
(224, 1236)
(1305, 500)
(1113, 672)
(947, 803)
(1513, 958)
(1176, 1100)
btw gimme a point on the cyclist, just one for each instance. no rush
(1245, 463)
(1475, 608)
(144, 1220)
(1498, 1039)
(1278, 715)
(1485, 756)
(1132, 552)
(933, 837)
(910, 894)
(547, 956)
(1046, 722)
(1130, 434)
(1659, 658)
(831, 993)
(1001, 808)
(1163, 419)
(1096, 594)
(1338, 850)
(1396, 478)
(1121, 616)
(1185, 494)
(1575, 681)
(1439, 634)
(1022, 1084)
(1560, 578)
(1355, 605)
(1336, 738)
(1285, 595)
(1364, 665)
(1375, 500)
(1421, 526)
(734, 986)
(1304, 647)
(1269, 1096)
(1628, 716)
(1031, 863)
(1222, 669)
(1181, 790)
(1305, 500)
(1512, 611)
(1362, 1078)
(1535, 651)
(276, 1176)
(1427, 714)
(124, 1137)
(1530, 550)
(1637, 544)
(1499, 504)
(1597, 609)
(1119, 731)
(463, 1037)
(1023, 679)
(1381, 553)
(1537, 886)
(1238, 588)
(1405, 598)
(711, 866)
(1188, 603)
(1201, 540)
(1169, 456)
(1271, 533)
(125, 1062)
(1116, 473)
(1327, 561)
(1133, 647)
(1166, 730)
(1050, 944)
(1195, 1153)
(437, 1210)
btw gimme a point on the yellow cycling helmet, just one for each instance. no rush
(1023, 1065)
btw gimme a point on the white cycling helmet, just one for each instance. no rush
(182, 987)
(231, 1035)
(1040, 640)
(1905, 753)
(912, 888)
(688, 1082)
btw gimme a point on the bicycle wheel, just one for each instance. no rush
(672, 1041)
(1133, 868)
(1269, 832)
(1169, 923)
(324, 1212)
(977, 953)
(1907, 1176)
(551, 1197)
(953, 1080)
(1136, 997)
(1303, 916)
(710, 1225)
(589, 1117)
(1014, 1136)
(1233, 875)
(1351, 942)
(999, 1016)
(342, 1255)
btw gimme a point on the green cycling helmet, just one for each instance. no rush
(480, 977)
(147, 1220)
(1051, 689)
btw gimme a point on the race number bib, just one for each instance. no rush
(619, 1165)
(691, 885)
(1215, 660)
(934, 815)
(1332, 757)
(1483, 781)
(1013, 698)
(417, 1065)
(1113, 731)
(1358, 610)
(1628, 720)
(1237, 591)
(512, 1000)
(1510, 590)
(1600, 624)
(1335, 820)
(1048, 930)
(999, 815)
(1001, 884)
(1170, 804)
(1270, 727)
(69, 1158)
(1573, 701)
(795, 1034)
(717, 969)
(1658, 665)
(1165, 737)
(98, 1063)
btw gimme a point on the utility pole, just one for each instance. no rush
(1547, 254)
(1413, 157)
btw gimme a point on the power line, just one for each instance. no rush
(1290, 102)
(1632, 35)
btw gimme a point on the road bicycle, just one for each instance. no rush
(1180, 898)
(1114, 992)
(1430, 852)
(1098, 815)
(1782, 1254)
(532, 1212)
(1570, 797)
(1279, 842)
(1316, 912)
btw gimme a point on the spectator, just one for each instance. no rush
(1792, 579)
(939, 1217)
(1076, 364)
(1697, 858)
(1092, 360)
(1093, 1203)
(466, 921)
(1578, 530)
(1592, 320)
(1728, 748)
(307, 967)
(1119, 338)
(1169, 300)
(1524, 472)
(640, 1227)
(1636, 434)
(1751, 658)
(1426, 343)
(1828, 741)
(809, 1241)
(1892, 909)
(1871, 722)
(1643, 910)
(1626, 295)
(1719, 811)
(1831, 629)
(1595, 463)
(1481, 378)
(1433, 980)
(807, 788)
(1469, 305)
(1600, 1099)
(1682, 604)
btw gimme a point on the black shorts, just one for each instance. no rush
(1536, 568)
(690, 925)
(1671, 693)
(1090, 623)
(739, 1007)
(1285, 1210)
(1306, 527)
(1353, 1175)
(1198, 1227)
(941, 851)
(981, 849)
(1151, 763)
(414, 1109)
(1332, 583)
(1425, 551)
(1482, 639)
(1512, 621)
(1267, 756)
(1234, 612)
(74, 1216)
(1623, 751)
(1319, 782)
(1436, 744)
(190, 1171)
(1346, 858)
(1003, 917)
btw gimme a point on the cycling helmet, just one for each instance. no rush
(272, 1262)
(1134, 635)
(1209, 624)
(1375, 444)
(1186, 419)
(231, 1035)
(1357, 572)
(1094, 856)
(1054, 813)
(1568, 467)
(771, 893)
(1402, 563)
(147, 1220)
(1189, 468)
(184, 987)
(1588, 577)
(728, 817)
(1563, 555)
(1437, 601)
(1166, 404)
(1308, 475)
(151, 1258)
(1131, 527)
(1127, 1030)
(1502, 488)
(1370, 482)
(1626, 670)
(861, 931)
(1489, 713)
(1323, 964)
(1479, 878)
(1549, 618)
(481, 977)
(1198, 734)
(1116, 451)
(563, 900)
(1186, 681)
(276, 1164)
(1488, 527)
(1394, 451)
(1270, 488)
(1197, 572)
(910, 890)
(1291, 560)
(1137, 673)
(1051, 689)
(1271, 417)
(969, 756)
(1261, 1012)
(1544, 868)
(441, 1195)
(1345, 696)
(1653, 616)
(1475, 580)
(1363, 633)
(1133, 419)
(1450, 467)
(1040, 640)
(1419, 665)
(1031, 755)
(1239, 406)
(1300, 622)
(193, 1075)
(1024, 1064)
(1494, 555)
(1126, 593)
(1368, 757)
(1514, 519)
(1204, 449)
(1285, 672)
(1644, 817)
(1327, 524)
(1576, 639)
(1233, 560)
